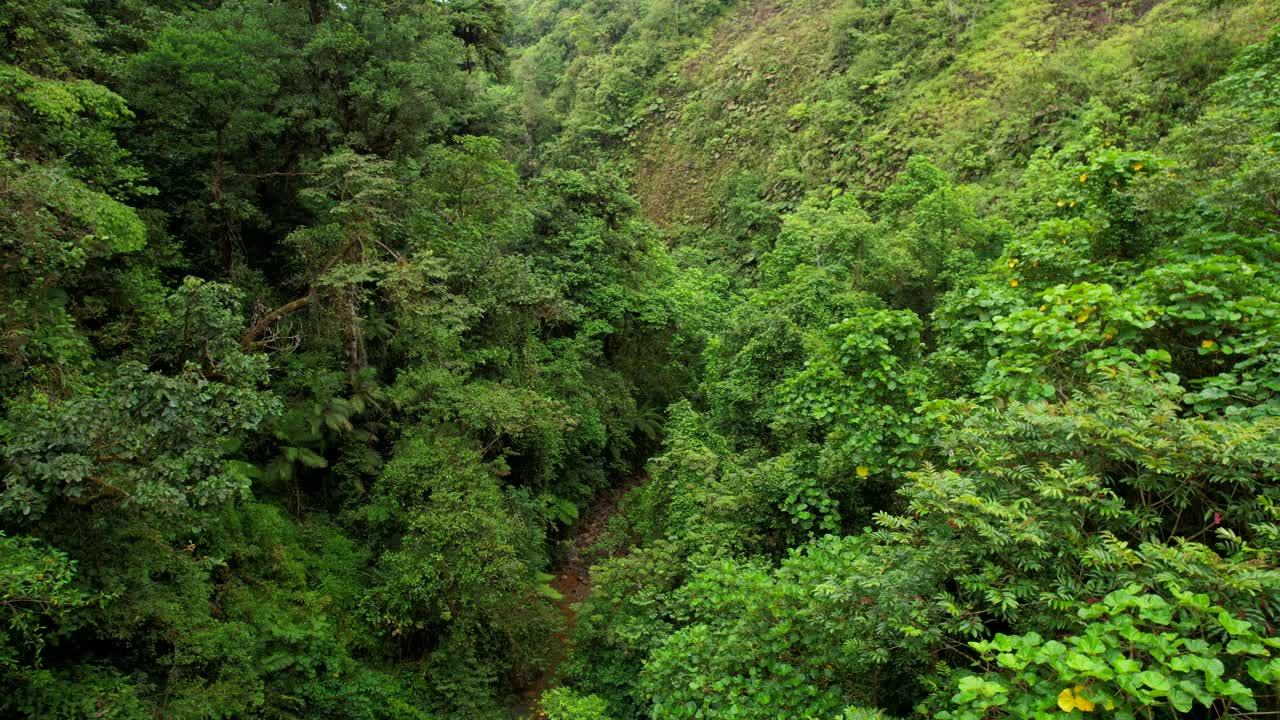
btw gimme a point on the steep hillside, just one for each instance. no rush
(622, 359)
(985, 419)
(788, 98)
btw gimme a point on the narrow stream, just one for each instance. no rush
(573, 581)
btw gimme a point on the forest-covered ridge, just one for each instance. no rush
(943, 332)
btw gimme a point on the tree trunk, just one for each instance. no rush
(266, 321)
(352, 336)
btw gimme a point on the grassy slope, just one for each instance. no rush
(724, 105)
(765, 97)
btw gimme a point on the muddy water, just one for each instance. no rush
(573, 589)
(573, 581)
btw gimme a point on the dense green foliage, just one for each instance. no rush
(948, 333)
(301, 373)
(990, 426)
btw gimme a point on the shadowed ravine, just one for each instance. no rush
(573, 582)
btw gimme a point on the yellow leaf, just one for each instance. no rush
(1043, 308)
(1137, 167)
(1061, 203)
(1082, 316)
(1013, 263)
(1068, 700)
(863, 471)
(1084, 177)
(1013, 283)
(1081, 702)
(1206, 344)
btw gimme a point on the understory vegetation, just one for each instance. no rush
(945, 334)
